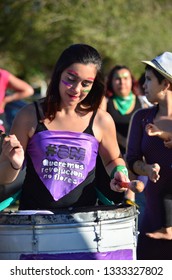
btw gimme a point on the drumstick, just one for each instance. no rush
(136, 186)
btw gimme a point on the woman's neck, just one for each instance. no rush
(165, 108)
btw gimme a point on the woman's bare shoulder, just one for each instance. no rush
(104, 117)
(104, 124)
(27, 111)
(25, 119)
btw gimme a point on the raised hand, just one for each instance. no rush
(13, 150)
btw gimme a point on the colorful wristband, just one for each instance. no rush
(119, 168)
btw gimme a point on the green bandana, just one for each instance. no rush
(123, 103)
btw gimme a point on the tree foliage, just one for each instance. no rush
(34, 32)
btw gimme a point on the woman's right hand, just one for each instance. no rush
(13, 150)
(115, 183)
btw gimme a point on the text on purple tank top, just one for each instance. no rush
(62, 159)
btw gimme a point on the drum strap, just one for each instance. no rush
(103, 198)
(108, 202)
(10, 200)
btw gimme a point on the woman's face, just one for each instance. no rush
(153, 89)
(76, 82)
(122, 82)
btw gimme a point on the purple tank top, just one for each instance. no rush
(62, 159)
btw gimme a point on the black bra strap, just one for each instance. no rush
(89, 128)
(92, 118)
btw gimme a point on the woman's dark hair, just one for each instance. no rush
(77, 53)
(156, 73)
(109, 89)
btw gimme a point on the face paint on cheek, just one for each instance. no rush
(66, 83)
(86, 90)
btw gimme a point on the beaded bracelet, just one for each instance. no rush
(14, 167)
(119, 168)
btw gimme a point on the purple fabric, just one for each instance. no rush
(125, 254)
(62, 159)
(154, 151)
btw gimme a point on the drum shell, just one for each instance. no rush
(95, 231)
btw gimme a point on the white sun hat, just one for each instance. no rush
(162, 64)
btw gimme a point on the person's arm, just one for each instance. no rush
(114, 163)
(103, 104)
(14, 145)
(134, 155)
(168, 143)
(110, 153)
(153, 130)
(21, 89)
(150, 170)
(165, 135)
(11, 159)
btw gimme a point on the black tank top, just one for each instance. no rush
(122, 121)
(41, 127)
(35, 195)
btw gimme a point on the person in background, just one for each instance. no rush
(60, 136)
(140, 197)
(166, 135)
(122, 101)
(20, 90)
(141, 92)
(147, 155)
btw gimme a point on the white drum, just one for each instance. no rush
(95, 233)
